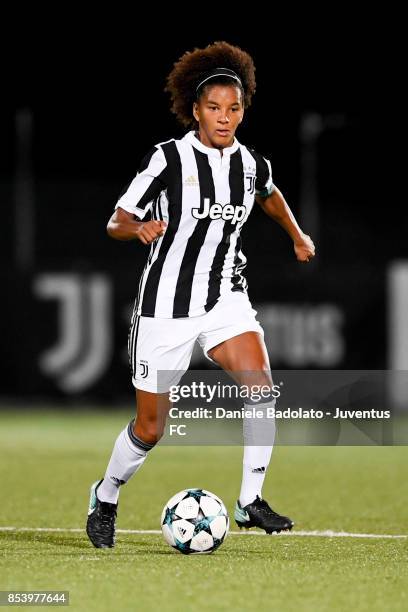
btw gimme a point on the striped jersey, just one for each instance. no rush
(205, 198)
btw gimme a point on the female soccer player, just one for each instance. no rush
(200, 190)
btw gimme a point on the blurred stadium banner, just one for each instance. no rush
(398, 331)
(67, 332)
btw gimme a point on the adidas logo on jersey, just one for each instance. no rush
(191, 181)
(227, 212)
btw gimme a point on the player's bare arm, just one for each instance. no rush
(125, 226)
(277, 208)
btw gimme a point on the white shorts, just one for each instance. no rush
(160, 349)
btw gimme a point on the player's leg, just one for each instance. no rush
(234, 340)
(129, 453)
(163, 350)
(246, 358)
(134, 442)
(246, 355)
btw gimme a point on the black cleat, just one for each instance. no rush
(100, 525)
(259, 514)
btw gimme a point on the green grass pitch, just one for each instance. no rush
(48, 459)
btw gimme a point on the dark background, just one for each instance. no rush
(95, 97)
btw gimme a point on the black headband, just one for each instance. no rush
(219, 72)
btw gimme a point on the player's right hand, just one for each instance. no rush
(150, 231)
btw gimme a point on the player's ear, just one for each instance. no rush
(195, 111)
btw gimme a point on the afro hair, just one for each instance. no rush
(192, 67)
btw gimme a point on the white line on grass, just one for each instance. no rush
(321, 534)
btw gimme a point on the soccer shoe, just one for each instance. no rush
(100, 525)
(259, 514)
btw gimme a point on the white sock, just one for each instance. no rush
(127, 457)
(259, 436)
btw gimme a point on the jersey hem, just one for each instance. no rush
(187, 316)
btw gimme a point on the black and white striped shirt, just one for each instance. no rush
(205, 197)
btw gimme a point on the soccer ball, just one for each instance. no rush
(194, 521)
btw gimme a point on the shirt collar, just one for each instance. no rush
(192, 139)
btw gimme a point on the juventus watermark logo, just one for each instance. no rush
(251, 183)
(83, 344)
(145, 368)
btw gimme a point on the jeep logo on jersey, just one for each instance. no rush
(226, 212)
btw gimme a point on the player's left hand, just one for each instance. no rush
(304, 248)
